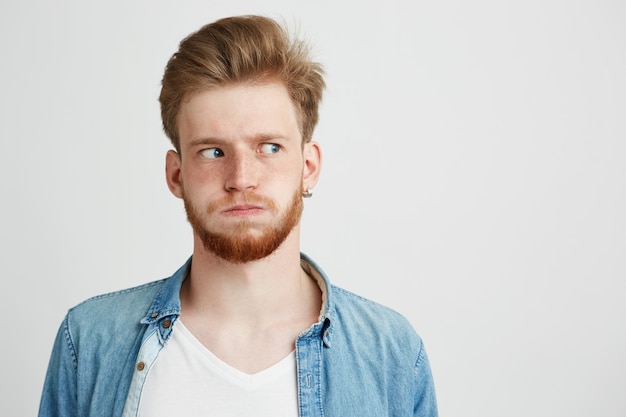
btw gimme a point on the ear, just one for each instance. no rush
(312, 154)
(172, 173)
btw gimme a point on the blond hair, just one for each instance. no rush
(241, 49)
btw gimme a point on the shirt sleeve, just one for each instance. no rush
(59, 392)
(425, 399)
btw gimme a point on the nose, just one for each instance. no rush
(242, 172)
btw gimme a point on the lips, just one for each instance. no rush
(243, 209)
(241, 205)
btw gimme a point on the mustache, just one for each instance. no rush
(247, 198)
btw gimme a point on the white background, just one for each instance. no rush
(474, 179)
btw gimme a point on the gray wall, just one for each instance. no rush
(473, 179)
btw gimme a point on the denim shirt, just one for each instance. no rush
(359, 359)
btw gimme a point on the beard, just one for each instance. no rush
(241, 246)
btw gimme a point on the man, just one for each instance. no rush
(248, 325)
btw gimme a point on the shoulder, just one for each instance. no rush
(360, 317)
(121, 298)
(123, 305)
(351, 305)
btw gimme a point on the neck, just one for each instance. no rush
(249, 315)
(255, 291)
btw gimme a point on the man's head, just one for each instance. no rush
(243, 49)
(240, 102)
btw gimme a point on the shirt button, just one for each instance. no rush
(167, 324)
(154, 315)
(140, 366)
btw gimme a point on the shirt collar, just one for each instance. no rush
(324, 325)
(165, 308)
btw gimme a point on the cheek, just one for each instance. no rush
(199, 175)
(197, 186)
(291, 172)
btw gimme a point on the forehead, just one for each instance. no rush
(238, 110)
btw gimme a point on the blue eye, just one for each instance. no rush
(212, 153)
(270, 148)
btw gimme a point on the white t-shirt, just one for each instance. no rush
(187, 380)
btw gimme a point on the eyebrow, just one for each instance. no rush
(255, 138)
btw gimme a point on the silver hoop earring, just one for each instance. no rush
(308, 193)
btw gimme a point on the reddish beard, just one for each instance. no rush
(240, 246)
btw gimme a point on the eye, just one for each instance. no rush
(212, 153)
(270, 148)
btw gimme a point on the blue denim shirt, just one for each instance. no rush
(360, 358)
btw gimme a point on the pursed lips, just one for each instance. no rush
(242, 209)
